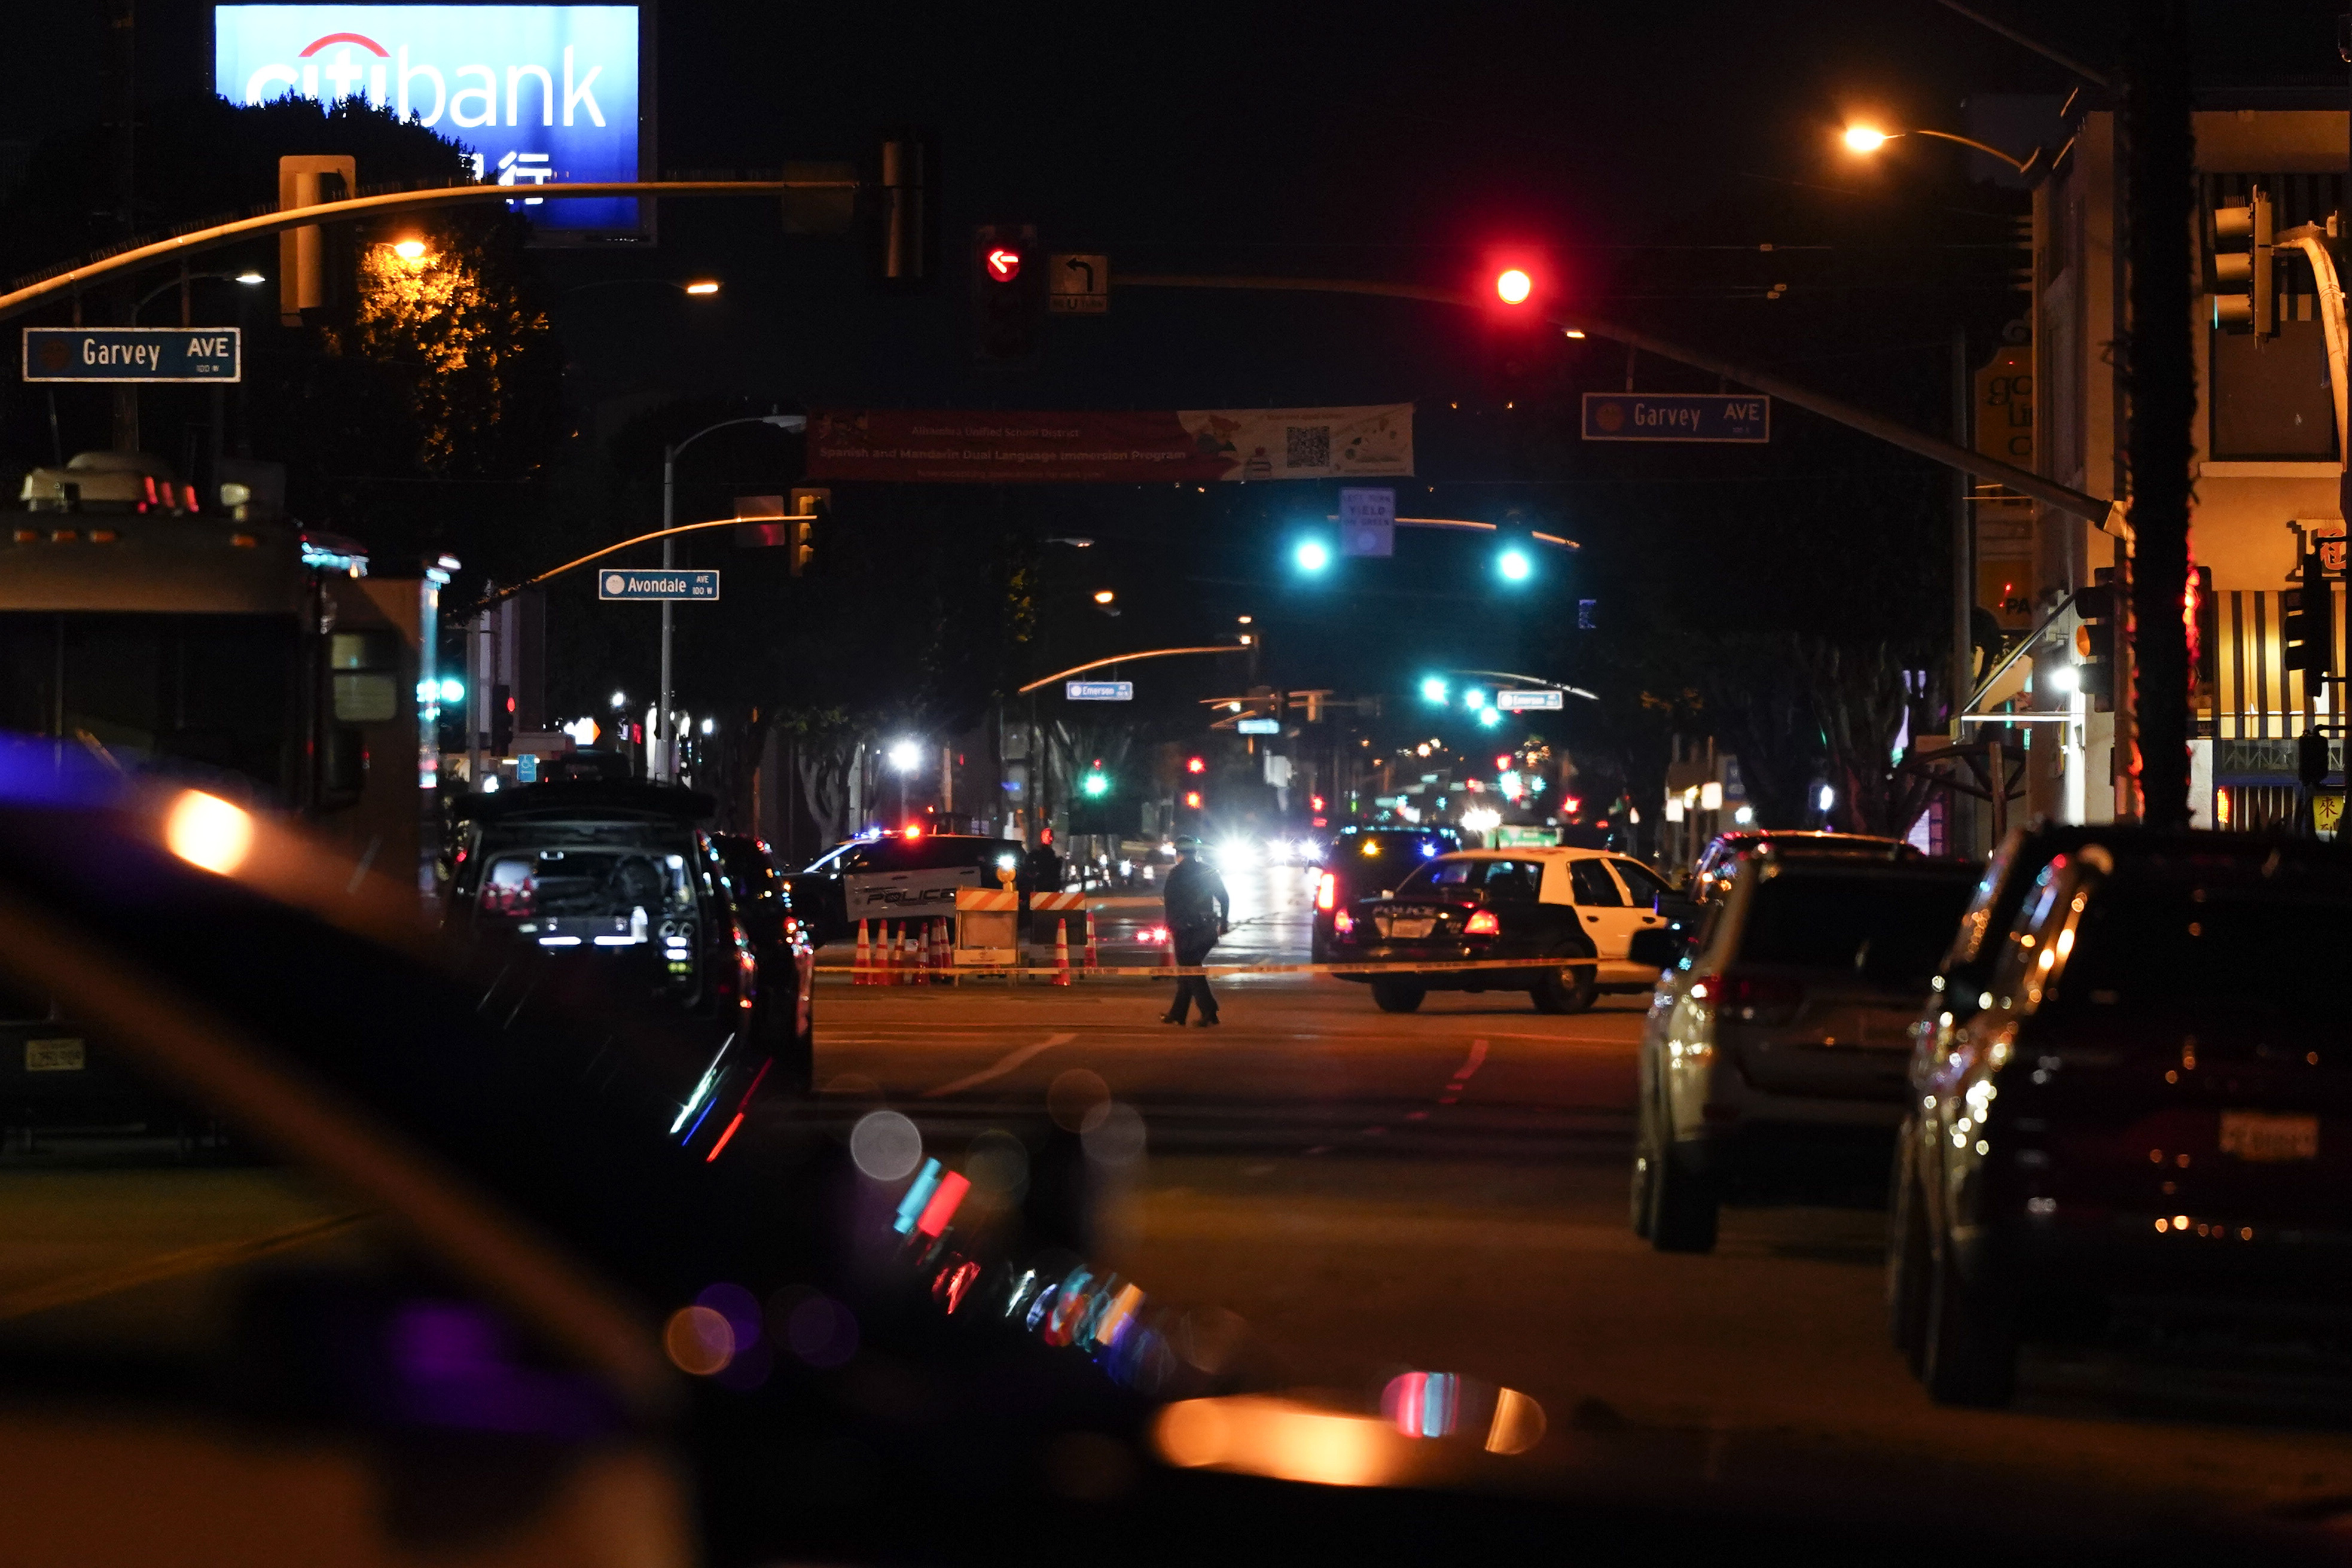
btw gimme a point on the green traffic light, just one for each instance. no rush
(1095, 785)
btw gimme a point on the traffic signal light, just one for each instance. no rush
(1008, 292)
(810, 508)
(1196, 765)
(906, 236)
(1191, 800)
(2094, 642)
(1514, 564)
(2310, 620)
(1313, 555)
(1512, 285)
(1095, 785)
(2243, 296)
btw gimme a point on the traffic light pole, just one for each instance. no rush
(2103, 514)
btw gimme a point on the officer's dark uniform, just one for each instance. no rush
(1198, 913)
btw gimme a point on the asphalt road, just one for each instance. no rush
(1370, 1193)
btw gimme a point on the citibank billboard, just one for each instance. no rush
(536, 93)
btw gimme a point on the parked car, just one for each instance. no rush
(2149, 1108)
(613, 880)
(898, 876)
(1780, 1042)
(1368, 863)
(785, 1019)
(1580, 906)
(1720, 861)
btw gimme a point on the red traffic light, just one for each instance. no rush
(1196, 765)
(1193, 800)
(1003, 263)
(1512, 285)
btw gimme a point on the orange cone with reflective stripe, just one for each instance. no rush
(1094, 958)
(865, 957)
(1061, 951)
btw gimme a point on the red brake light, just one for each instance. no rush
(914, 832)
(1326, 891)
(1483, 923)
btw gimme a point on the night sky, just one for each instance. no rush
(1647, 151)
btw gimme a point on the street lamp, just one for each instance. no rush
(1865, 140)
(695, 288)
(249, 278)
(664, 740)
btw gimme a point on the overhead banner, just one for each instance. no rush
(533, 93)
(1196, 445)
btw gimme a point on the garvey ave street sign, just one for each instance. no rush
(620, 584)
(1676, 416)
(131, 353)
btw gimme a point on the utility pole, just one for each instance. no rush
(1963, 647)
(122, 67)
(2161, 383)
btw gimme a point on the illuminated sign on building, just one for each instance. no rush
(534, 93)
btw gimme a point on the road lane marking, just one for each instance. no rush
(90, 1284)
(1476, 1060)
(1002, 1066)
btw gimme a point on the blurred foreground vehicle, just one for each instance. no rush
(1581, 907)
(2144, 1113)
(1779, 1042)
(615, 884)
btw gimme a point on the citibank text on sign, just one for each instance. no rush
(534, 93)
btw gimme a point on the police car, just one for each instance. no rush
(1580, 906)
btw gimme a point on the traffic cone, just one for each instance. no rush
(865, 957)
(1061, 951)
(1094, 957)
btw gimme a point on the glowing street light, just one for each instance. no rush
(1865, 140)
(703, 287)
(1104, 595)
(905, 756)
(249, 278)
(409, 250)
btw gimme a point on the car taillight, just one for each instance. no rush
(1751, 997)
(1326, 891)
(1343, 922)
(1483, 923)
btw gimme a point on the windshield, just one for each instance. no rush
(2169, 947)
(1893, 926)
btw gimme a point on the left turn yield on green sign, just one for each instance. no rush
(132, 353)
(616, 584)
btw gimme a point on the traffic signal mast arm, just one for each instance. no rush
(2314, 242)
(504, 593)
(18, 302)
(1127, 658)
(2102, 514)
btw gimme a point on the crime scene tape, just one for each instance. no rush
(1055, 974)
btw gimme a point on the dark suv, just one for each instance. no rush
(615, 877)
(2146, 1115)
(1368, 863)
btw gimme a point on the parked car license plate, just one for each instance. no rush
(1401, 927)
(2258, 1135)
(53, 1056)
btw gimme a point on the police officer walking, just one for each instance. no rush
(1199, 913)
